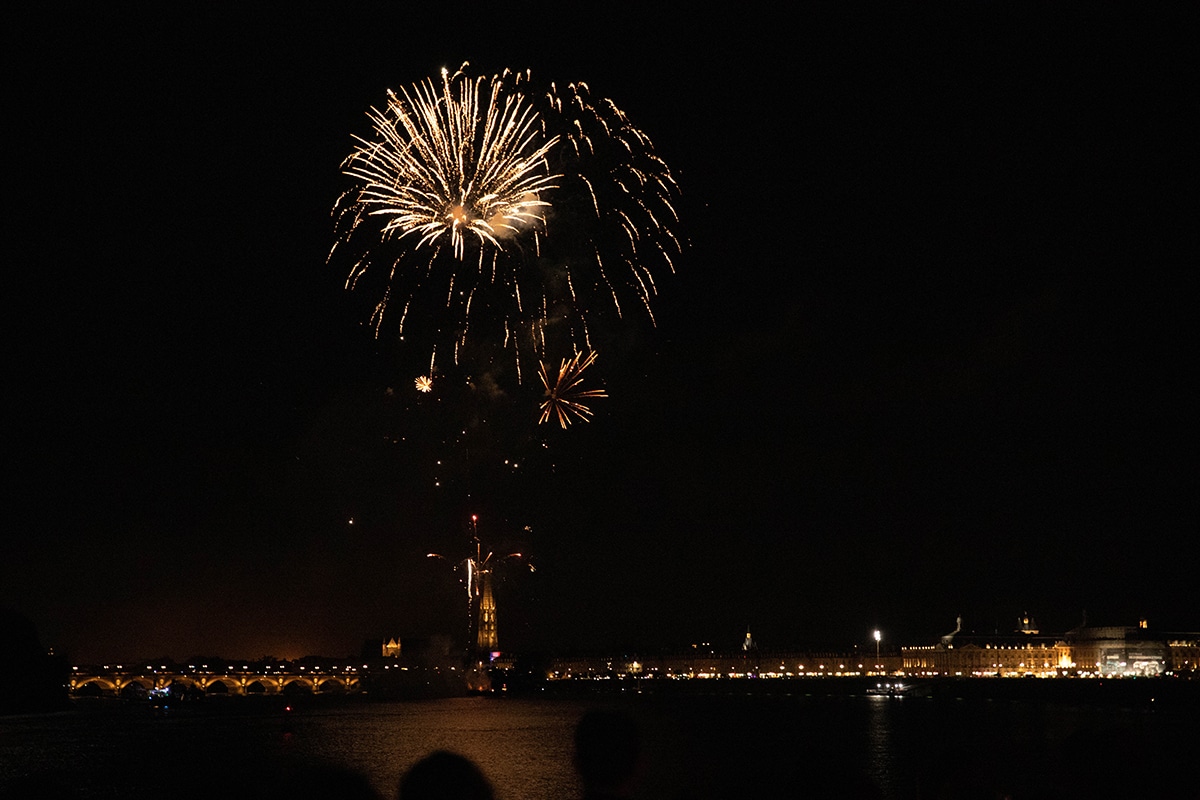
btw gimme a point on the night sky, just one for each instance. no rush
(925, 353)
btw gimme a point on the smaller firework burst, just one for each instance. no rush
(424, 383)
(564, 396)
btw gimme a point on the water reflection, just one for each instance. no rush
(880, 748)
(705, 747)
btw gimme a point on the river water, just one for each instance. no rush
(697, 746)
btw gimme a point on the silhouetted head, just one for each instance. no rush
(607, 752)
(445, 776)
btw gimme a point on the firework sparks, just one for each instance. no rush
(424, 383)
(481, 605)
(564, 396)
(490, 212)
(460, 162)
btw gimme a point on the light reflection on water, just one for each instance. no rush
(879, 747)
(523, 746)
(231, 748)
(698, 747)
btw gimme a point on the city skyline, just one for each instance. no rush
(453, 647)
(923, 353)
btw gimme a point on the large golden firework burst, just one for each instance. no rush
(493, 213)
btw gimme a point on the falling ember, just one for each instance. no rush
(564, 396)
(494, 211)
(424, 383)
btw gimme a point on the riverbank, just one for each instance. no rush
(1149, 694)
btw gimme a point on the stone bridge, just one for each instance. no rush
(231, 679)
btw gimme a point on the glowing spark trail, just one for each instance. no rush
(505, 217)
(563, 394)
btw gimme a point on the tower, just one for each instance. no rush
(481, 602)
(486, 638)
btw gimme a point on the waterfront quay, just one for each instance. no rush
(1085, 651)
(1114, 656)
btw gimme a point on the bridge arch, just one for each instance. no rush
(93, 687)
(136, 688)
(221, 685)
(181, 685)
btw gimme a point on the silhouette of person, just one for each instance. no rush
(608, 754)
(443, 775)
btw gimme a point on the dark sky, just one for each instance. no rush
(925, 354)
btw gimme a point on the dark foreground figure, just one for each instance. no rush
(445, 776)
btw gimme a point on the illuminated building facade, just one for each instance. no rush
(1084, 651)
(1113, 651)
(1020, 653)
(997, 656)
(740, 664)
(1183, 653)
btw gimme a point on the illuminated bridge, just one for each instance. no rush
(227, 678)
